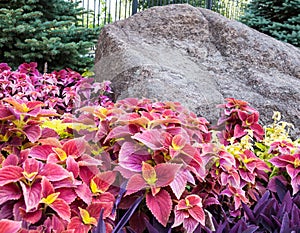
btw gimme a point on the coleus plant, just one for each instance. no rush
(111, 165)
(64, 90)
(165, 153)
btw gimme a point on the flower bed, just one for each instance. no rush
(74, 161)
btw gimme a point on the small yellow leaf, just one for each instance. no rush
(94, 187)
(149, 173)
(29, 176)
(50, 199)
(60, 153)
(86, 218)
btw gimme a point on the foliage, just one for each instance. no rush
(63, 91)
(279, 19)
(139, 165)
(46, 32)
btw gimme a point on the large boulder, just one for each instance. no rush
(198, 57)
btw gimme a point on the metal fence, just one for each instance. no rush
(101, 12)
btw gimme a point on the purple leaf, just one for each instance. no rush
(151, 138)
(132, 155)
(127, 215)
(33, 132)
(9, 192)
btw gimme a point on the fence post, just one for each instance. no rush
(209, 4)
(134, 6)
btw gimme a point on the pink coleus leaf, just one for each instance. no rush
(32, 195)
(160, 206)
(135, 184)
(178, 142)
(165, 173)
(120, 131)
(33, 132)
(9, 192)
(41, 152)
(10, 174)
(190, 224)
(151, 138)
(72, 166)
(31, 168)
(131, 156)
(78, 226)
(54, 172)
(75, 147)
(47, 187)
(198, 214)
(62, 209)
(9, 226)
(83, 191)
(67, 194)
(179, 183)
(102, 181)
(11, 159)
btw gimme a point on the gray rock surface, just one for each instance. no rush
(198, 57)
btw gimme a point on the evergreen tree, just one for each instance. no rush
(277, 18)
(45, 31)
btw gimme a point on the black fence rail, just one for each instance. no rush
(101, 12)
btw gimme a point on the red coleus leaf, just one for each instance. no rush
(47, 187)
(67, 194)
(33, 132)
(10, 174)
(102, 181)
(41, 152)
(62, 209)
(32, 195)
(75, 147)
(78, 226)
(9, 192)
(54, 172)
(239, 131)
(131, 156)
(151, 138)
(160, 206)
(95, 208)
(31, 217)
(9, 226)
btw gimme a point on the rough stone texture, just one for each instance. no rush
(198, 57)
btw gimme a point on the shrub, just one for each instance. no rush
(45, 31)
(279, 19)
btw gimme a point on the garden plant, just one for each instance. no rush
(74, 161)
